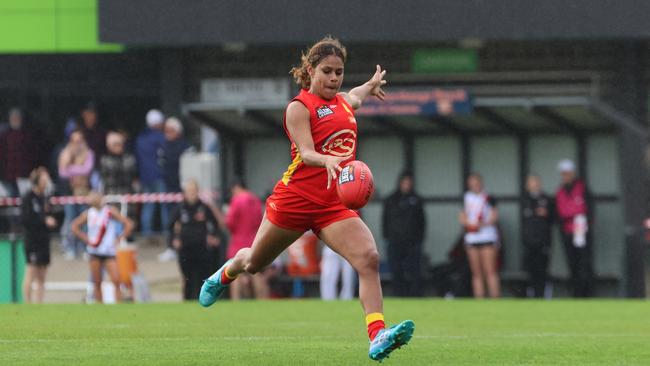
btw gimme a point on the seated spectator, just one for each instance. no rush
(117, 167)
(75, 165)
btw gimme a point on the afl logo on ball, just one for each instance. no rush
(347, 175)
(323, 111)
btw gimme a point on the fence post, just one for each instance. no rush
(14, 268)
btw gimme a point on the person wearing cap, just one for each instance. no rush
(173, 147)
(574, 214)
(149, 151)
(19, 152)
(94, 134)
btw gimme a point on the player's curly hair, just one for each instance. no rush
(321, 49)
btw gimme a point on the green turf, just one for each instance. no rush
(326, 333)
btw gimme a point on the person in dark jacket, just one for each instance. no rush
(403, 227)
(175, 145)
(538, 211)
(196, 232)
(574, 214)
(117, 167)
(94, 134)
(19, 152)
(37, 223)
(149, 154)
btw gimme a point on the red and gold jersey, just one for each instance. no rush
(334, 131)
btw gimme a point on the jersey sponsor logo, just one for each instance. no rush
(324, 111)
(340, 143)
(346, 175)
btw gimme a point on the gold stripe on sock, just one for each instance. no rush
(230, 277)
(373, 317)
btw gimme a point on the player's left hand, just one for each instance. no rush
(213, 241)
(376, 82)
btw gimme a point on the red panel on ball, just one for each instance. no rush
(355, 185)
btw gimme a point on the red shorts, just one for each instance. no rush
(291, 211)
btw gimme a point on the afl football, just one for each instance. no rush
(355, 185)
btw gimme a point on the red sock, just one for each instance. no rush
(375, 322)
(224, 277)
(374, 328)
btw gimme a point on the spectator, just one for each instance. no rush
(173, 148)
(332, 265)
(102, 237)
(195, 231)
(479, 218)
(149, 153)
(36, 220)
(117, 167)
(75, 165)
(572, 200)
(538, 213)
(403, 226)
(18, 152)
(243, 218)
(94, 134)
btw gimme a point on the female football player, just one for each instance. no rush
(321, 126)
(101, 240)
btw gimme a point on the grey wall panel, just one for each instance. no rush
(438, 166)
(496, 159)
(603, 171)
(443, 229)
(510, 224)
(385, 158)
(371, 215)
(545, 152)
(608, 239)
(265, 161)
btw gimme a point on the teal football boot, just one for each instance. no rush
(212, 287)
(388, 340)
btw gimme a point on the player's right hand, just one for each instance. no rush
(333, 167)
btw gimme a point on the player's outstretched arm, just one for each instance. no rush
(373, 86)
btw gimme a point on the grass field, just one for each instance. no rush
(310, 332)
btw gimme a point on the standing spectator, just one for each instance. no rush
(37, 222)
(102, 238)
(573, 211)
(332, 266)
(403, 226)
(479, 218)
(173, 148)
(243, 218)
(538, 213)
(149, 153)
(18, 151)
(94, 134)
(195, 231)
(76, 163)
(117, 167)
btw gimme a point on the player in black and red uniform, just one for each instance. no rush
(321, 126)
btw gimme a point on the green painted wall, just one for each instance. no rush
(50, 26)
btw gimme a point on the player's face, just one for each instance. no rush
(327, 77)
(474, 184)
